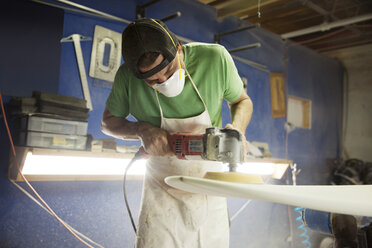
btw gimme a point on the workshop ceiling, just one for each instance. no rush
(321, 25)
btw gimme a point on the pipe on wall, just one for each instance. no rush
(327, 26)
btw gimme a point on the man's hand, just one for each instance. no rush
(154, 140)
(241, 112)
(244, 140)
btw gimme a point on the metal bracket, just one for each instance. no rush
(217, 38)
(254, 45)
(172, 16)
(141, 11)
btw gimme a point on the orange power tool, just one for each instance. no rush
(224, 145)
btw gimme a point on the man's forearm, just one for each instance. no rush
(241, 113)
(120, 127)
(154, 139)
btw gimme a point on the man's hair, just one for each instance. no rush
(147, 59)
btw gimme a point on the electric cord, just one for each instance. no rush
(40, 205)
(345, 116)
(41, 200)
(237, 213)
(347, 178)
(240, 210)
(286, 73)
(302, 227)
(136, 157)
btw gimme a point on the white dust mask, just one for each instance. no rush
(174, 85)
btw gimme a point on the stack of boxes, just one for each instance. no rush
(50, 121)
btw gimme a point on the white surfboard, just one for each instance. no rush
(344, 199)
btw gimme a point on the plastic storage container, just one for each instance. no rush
(51, 140)
(49, 125)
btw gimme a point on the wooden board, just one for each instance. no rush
(344, 199)
(277, 95)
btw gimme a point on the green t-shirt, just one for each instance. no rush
(213, 72)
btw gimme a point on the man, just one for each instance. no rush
(171, 88)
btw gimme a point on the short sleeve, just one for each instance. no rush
(117, 102)
(233, 82)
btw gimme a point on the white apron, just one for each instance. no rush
(173, 218)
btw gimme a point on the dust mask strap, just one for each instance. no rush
(174, 85)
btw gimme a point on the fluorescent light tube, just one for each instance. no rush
(75, 165)
(58, 166)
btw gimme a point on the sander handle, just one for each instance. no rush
(171, 138)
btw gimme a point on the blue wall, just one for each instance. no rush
(97, 208)
(30, 49)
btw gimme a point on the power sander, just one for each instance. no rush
(216, 144)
